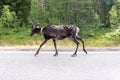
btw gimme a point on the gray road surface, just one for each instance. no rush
(22, 65)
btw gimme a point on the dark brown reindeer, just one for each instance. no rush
(59, 32)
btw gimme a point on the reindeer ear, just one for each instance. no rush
(37, 27)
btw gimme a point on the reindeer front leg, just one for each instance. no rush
(41, 46)
(55, 47)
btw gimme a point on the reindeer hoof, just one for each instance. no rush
(74, 55)
(35, 54)
(85, 51)
(56, 54)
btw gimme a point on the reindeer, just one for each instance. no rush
(59, 32)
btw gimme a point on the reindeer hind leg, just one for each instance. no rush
(55, 48)
(83, 44)
(77, 44)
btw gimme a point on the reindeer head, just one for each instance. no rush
(35, 29)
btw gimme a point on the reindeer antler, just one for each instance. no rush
(31, 23)
(37, 24)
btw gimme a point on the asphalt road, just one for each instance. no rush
(22, 65)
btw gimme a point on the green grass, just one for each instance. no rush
(95, 36)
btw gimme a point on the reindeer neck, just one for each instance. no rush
(41, 31)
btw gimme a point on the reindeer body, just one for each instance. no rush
(59, 32)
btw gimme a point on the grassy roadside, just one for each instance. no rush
(96, 38)
(32, 42)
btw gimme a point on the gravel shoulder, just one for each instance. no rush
(51, 48)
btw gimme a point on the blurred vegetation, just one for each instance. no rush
(15, 17)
